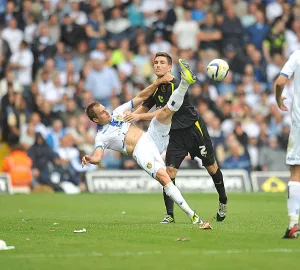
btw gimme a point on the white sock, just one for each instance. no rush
(183, 86)
(177, 97)
(174, 193)
(293, 202)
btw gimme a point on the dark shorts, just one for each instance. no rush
(194, 140)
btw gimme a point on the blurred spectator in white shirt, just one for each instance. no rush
(13, 35)
(21, 62)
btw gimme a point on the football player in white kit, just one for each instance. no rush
(144, 147)
(292, 67)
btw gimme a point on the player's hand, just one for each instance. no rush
(168, 77)
(130, 117)
(85, 160)
(281, 105)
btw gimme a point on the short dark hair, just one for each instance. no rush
(90, 112)
(164, 54)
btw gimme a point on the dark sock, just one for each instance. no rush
(219, 184)
(169, 203)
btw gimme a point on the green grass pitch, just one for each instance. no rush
(249, 238)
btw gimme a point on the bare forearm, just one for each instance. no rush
(278, 91)
(148, 116)
(148, 91)
(95, 160)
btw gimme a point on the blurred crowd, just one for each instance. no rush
(57, 56)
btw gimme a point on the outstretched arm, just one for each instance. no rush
(147, 92)
(278, 88)
(94, 159)
(140, 114)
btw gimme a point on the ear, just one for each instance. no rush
(170, 68)
(95, 120)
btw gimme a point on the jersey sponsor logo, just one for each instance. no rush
(161, 99)
(149, 165)
(203, 151)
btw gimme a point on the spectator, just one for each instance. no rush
(69, 159)
(186, 32)
(210, 36)
(198, 12)
(43, 47)
(272, 157)
(258, 31)
(118, 28)
(275, 40)
(103, 82)
(83, 134)
(54, 28)
(43, 159)
(55, 133)
(237, 159)
(5, 54)
(9, 81)
(95, 28)
(232, 30)
(78, 16)
(135, 14)
(71, 33)
(21, 62)
(159, 44)
(12, 35)
(17, 164)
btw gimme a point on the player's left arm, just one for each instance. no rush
(94, 159)
(285, 74)
(148, 91)
(278, 88)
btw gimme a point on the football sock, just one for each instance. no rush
(174, 193)
(183, 86)
(293, 202)
(169, 203)
(177, 97)
(219, 184)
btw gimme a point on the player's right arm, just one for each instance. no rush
(148, 91)
(94, 159)
(285, 74)
(140, 114)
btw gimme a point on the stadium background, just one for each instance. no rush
(58, 56)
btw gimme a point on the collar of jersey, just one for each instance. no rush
(113, 123)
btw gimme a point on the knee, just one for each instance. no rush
(162, 177)
(212, 169)
(171, 171)
(165, 112)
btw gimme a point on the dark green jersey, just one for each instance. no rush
(185, 116)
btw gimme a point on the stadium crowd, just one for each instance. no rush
(57, 56)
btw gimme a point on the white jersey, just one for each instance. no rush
(291, 67)
(112, 135)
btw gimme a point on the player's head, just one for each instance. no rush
(162, 64)
(98, 113)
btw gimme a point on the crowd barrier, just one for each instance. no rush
(137, 181)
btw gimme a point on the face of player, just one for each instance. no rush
(161, 66)
(103, 116)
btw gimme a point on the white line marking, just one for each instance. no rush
(155, 252)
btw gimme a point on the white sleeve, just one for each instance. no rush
(100, 142)
(125, 107)
(291, 65)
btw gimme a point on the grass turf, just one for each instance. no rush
(249, 238)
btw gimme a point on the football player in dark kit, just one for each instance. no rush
(188, 135)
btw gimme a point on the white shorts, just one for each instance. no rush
(293, 149)
(159, 134)
(147, 155)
